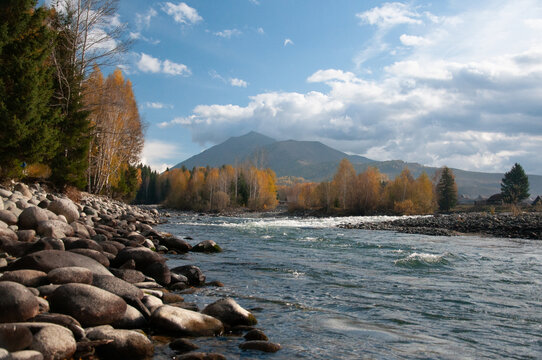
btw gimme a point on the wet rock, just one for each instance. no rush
(159, 272)
(71, 274)
(14, 337)
(230, 313)
(207, 246)
(65, 207)
(151, 302)
(30, 278)
(183, 345)
(256, 334)
(48, 260)
(201, 356)
(168, 298)
(259, 345)
(8, 217)
(63, 320)
(173, 243)
(192, 273)
(91, 306)
(31, 217)
(17, 303)
(185, 322)
(126, 344)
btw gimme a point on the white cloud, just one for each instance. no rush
(238, 82)
(157, 153)
(255, 2)
(143, 21)
(182, 13)
(412, 40)
(260, 30)
(157, 105)
(148, 63)
(288, 42)
(227, 34)
(390, 14)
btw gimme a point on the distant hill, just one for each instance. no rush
(315, 161)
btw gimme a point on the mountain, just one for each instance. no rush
(315, 161)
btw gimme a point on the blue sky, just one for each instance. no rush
(454, 83)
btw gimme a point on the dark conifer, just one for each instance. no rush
(515, 185)
(446, 190)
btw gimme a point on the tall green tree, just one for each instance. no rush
(28, 130)
(515, 185)
(446, 190)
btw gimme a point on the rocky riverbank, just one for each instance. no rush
(525, 225)
(89, 280)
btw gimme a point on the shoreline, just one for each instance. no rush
(90, 279)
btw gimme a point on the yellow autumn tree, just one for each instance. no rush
(343, 184)
(369, 190)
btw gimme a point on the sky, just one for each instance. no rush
(453, 82)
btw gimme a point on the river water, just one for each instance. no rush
(329, 293)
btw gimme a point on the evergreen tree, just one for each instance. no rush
(515, 185)
(69, 166)
(446, 190)
(27, 122)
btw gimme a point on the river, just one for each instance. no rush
(329, 293)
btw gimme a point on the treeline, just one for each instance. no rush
(209, 189)
(371, 192)
(59, 117)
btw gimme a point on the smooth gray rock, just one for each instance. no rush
(159, 272)
(54, 228)
(130, 293)
(30, 278)
(31, 217)
(63, 320)
(260, 345)
(5, 193)
(93, 254)
(53, 341)
(173, 243)
(26, 235)
(80, 230)
(185, 322)
(17, 303)
(151, 302)
(126, 344)
(183, 345)
(14, 337)
(23, 189)
(48, 260)
(26, 355)
(256, 334)
(230, 313)
(8, 217)
(3, 225)
(65, 207)
(129, 275)
(142, 256)
(71, 274)
(132, 319)
(91, 306)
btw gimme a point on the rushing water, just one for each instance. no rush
(329, 293)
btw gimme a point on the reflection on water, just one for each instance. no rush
(329, 293)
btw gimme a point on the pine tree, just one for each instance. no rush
(515, 185)
(27, 122)
(446, 190)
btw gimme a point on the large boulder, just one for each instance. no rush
(23, 189)
(71, 274)
(130, 275)
(173, 243)
(93, 254)
(65, 207)
(8, 217)
(91, 306)
(31, 217)
(48, 260)
(185, 322)
(30, 278)
(230, 313)
(63, 320)
(26, 355)
(192, 273)
(130, 293)
(54, 228)
(17, 303)
(126, 344)
(132, 319)
(8, 234)
(159, 272)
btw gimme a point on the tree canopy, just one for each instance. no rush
(446, 190)
(515, 185)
